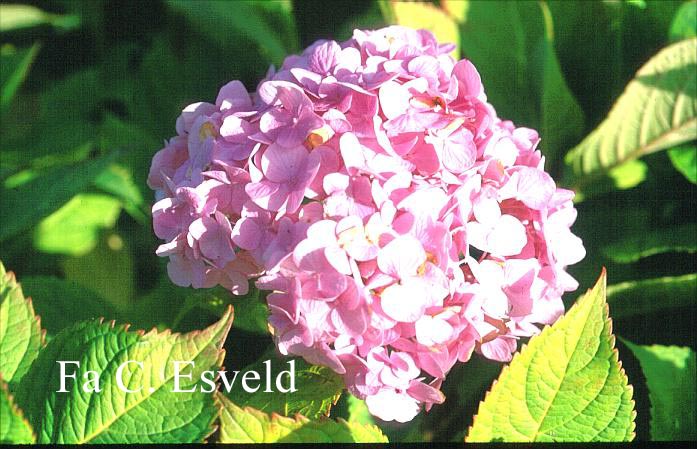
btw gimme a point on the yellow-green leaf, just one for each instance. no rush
(14, 429)
(152, 413)
(656, 111)
(248, 425)
(21, 336)
(565, 385)
(426, 15)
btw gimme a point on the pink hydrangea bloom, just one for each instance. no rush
(398, 224)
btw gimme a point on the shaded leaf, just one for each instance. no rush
(670, 373)
(24, 206)
(318, 388)
(679, 238)
(153, 414)
(248, 425)
(21, 336)
(651, 296)
(541, 98)
(62, 303)
(118, 181)
(657, 110)
(15, 67)
(565, 385)
(14, 429)
(269, 25)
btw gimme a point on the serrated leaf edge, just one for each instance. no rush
(615, 357)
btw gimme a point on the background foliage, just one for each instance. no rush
(89, 90)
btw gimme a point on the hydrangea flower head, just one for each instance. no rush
(398, 224)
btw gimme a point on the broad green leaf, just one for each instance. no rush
(670, 373)
(153, 414)
(684, 159)
(679, 238)
(565, 385)
(248, 425)
(118, 181)
(15, 66)
(108, 270)
(358, 411)
(650, 296)
(318, 389)
(24, 206)
(63, 303)
(268, 25)
(428, 16)
(657, 110)
(13, 17)
(506, 40)
(14, 429)
(74, 228)
(251, 312)
(684, 24)
(21, 336)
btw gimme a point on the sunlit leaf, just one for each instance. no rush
(14, 428)
(657, 110)
(248, 425)
(684, 159)
(21, 336)
(428, 16)
(14, 17)
(153, 414)
(684, 24)
(565, 385)
(74, 228)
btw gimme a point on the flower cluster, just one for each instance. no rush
(397, 222)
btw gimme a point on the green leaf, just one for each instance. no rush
(74, 228)
(108, 270)
(651, 296)
(318, 389)
(684, 159)
(21, 336)
(422, 15)
(14, 17)
(679, 238)
(684, 24)
(657, 110)
(269, 25)
(358, 411)
(505, 40)
(565, 385)
(670, 373)
(118, 181)
(153, 414)
(14, 429)
(62, 303)
(26, 205)
(15, 68)
(248, 425)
